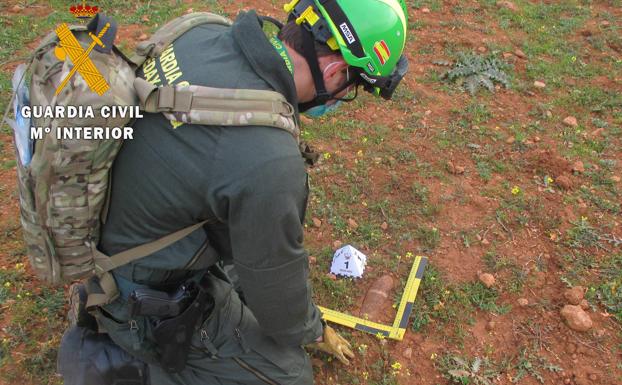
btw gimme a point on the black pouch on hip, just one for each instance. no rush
(86, 357)
(173, 335)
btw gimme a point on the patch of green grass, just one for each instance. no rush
(5, 352)
(429, 237)
(158, 12)
(406, 156)
(7, 165)
(594, 99)
(582, 235)
(463, 371)
(50, 303)
(9, 279)
(19, 30)
(466, 124)
(554, 72)
(484, 298)
(381, 372)
(517, 276)
(340, 290)
(41, 363)
(326, 128)
(5, 95)
(545, 20)
(35, 325)
(531, 364)
(463, 10)
(476, 113)
(547, 26)
(485, 166)
(433, 5)
(370, 233)
(440, 303)
(428, 170)
(608, 289)
(484, 170)
(610, 203)
(404, 98)
(578, 265)
(334, 294)
(415, 25)
(433, 292)
(495, 263)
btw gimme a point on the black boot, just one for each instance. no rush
(77, 314)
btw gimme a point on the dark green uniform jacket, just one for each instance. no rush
(250, 181)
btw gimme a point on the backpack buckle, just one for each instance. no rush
(171, 99)
(287, 109)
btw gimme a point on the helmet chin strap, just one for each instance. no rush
(321, 94)
(310, 55)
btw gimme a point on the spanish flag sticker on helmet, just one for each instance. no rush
(382, 51)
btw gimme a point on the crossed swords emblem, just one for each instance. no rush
(69, 46)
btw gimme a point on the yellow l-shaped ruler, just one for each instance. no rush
(397, 330)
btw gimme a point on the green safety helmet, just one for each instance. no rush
(369, 34)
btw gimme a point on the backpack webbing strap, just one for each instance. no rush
(104, 263)
(171, 31)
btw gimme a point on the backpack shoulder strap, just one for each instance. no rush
(207, 105)
(218, 106)
(154, 46)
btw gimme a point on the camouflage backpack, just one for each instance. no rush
(64, 190)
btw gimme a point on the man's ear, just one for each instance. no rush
(336, 68)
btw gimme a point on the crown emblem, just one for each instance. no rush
(83, 11)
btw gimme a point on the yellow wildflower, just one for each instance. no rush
(327, 155)
(396, 366)
(362, 349)
(515, 190)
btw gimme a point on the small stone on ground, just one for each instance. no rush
(487, 279)
(576, 318)
(570, 121)
(507, 5)
(574, 295)
(539, 84)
